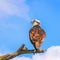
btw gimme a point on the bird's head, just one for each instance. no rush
(35, 22)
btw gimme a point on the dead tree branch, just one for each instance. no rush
(21, 50)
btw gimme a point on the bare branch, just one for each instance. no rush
(21, 50)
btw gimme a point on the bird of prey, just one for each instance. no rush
(36, 34)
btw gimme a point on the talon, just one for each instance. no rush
(34, 51)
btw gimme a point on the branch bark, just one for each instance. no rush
(21, 50)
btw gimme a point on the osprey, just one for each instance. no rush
(36, 34)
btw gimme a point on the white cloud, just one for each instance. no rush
(52, 53)
(14, 8)
(22, 58)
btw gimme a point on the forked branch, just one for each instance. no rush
(21, 50)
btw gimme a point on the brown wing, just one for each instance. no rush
(37, 35)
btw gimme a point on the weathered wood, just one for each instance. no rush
(21, 50)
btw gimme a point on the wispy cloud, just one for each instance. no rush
(9, 8)
(52, 53)
(0, 53)
(14, 8)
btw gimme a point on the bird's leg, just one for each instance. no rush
(34, 50)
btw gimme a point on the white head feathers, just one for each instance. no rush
(35, 22)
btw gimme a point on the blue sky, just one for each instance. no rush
(15, 22)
